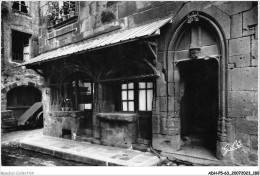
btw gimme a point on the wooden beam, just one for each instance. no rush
(151, 50)
(39, 72)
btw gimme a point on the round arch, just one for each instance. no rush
(20, 98)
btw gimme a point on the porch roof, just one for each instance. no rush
(101, 41)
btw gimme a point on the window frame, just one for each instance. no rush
(127, 97)
(136, 90)
(27, 37)
(146, 94)
(26, 5)
(55, 16)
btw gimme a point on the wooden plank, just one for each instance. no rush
(29, 113)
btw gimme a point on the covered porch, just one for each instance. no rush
(102, 89)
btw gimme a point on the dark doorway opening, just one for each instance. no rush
(21, 98)
(199, 102)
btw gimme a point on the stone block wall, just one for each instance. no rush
(93, 19)
(243, 82)
(97, 18)
(238, 23)
(56, 122)
(103, 103)
(118, 134)
(12, 76)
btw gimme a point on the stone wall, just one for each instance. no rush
(238, 24)
(58, 121)
(238, 21)
(103, 103)
(100, 17)
(243, 71)
(12, 76)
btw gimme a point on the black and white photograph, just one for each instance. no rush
(156, 87)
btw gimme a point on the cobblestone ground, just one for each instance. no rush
(13, 155)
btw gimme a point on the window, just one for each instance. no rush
(20, 6)
(144, 96)
(128, 96)
(71, 5)
(62, 11)
(20, 46)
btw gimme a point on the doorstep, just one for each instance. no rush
(197, 155)
(86, 152)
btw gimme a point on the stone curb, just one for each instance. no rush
(88, 158)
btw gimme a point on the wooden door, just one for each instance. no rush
(86, 101)
(145, 96)
(145, 125)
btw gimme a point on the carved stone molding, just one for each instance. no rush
(193, 16)
(194, 53)
(221, 132)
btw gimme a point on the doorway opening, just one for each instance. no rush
(199, 103)
(21, 98)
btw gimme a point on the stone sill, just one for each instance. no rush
(75, 114)
(119, 116)
(21, 13)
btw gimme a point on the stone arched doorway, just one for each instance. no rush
(21, 98)
(198, 52)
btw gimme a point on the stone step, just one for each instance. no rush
(92, 154)
(84, 138)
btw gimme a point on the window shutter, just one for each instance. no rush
(35, 50)
(26, 52)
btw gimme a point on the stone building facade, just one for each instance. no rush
(20, 88)
(178, 76)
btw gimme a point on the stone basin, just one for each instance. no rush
(119, 116)
(118, 129)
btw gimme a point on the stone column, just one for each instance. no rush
(3, 101)
(96, 110)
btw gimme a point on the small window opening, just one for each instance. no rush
(20, 46)
(71, 5)
(20, 6)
